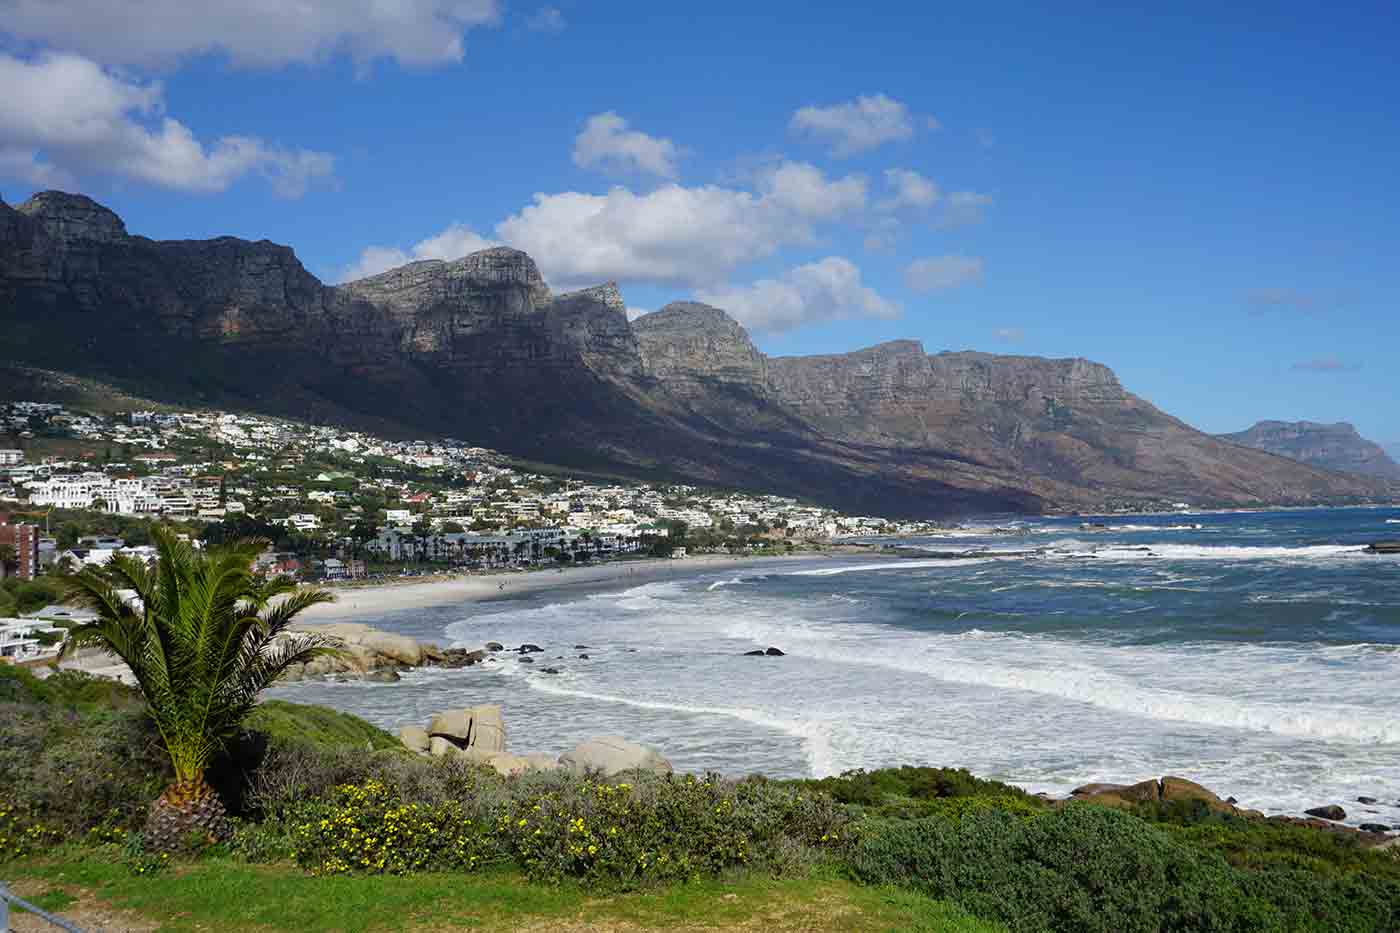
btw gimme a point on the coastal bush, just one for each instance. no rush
(369, 828)
(1081, 868)
(918, 792)
(1267, 845)
(553, 825)
(75, 755)
(657, 828)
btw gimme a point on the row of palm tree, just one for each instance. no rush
(203, 635)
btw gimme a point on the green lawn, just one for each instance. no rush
(228, 895)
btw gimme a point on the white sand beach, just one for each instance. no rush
(356, 601)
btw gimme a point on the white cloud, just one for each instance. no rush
(964, 207)
(858, 125)
(939, 273)
(818, 291)
(260, 33)
(676, 234)
(803, 189)
(606, 142)
(547, 19)
(1009, 334)
(25, 165)
(453, 243)
(908, 190)
(63, 116)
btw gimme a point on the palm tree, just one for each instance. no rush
(203, 637)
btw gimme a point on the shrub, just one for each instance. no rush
(912, 793)
(1081, 868)
(441, 815)
(370, 828)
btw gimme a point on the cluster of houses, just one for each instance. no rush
(442, 501)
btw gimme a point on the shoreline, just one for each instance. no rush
(361, 601)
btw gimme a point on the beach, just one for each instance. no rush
(364, 602)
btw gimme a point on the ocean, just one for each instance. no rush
(1255, 653)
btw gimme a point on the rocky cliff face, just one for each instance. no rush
(479, 348)
(1328, 446)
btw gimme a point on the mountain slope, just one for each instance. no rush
(480, 348)
(1328, 446)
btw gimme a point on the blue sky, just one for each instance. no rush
(1204, 199)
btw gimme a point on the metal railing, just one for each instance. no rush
(6, 899)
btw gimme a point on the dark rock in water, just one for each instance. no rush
(1375, 828)
(1329, 812)
(774, 652)
(495, 646)
(1384, 547)
(583, 657)
(1367, 800)
(529, 649)
(382, 677)
(755, 653)
(461, 657)
(527, 660)
(630, 650)
(581, 648)
(549, 670)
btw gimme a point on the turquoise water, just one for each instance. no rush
(1257, 653)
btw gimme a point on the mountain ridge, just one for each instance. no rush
(1338, 446)
(480, 347)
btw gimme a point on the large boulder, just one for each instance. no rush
(395, 648)
(1176, 788)
(476, 727)
(611, 755)
(1118, 796)
(415, 739)
(455, 724)
(1329, 812)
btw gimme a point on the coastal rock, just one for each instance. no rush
(476, 727)
(1176, 788)
(440, 746)
(1375, 828)
(1119, 796)
(1384, 547)
(611, 755)
(394, 647)
(494, 646)
(1367, 800)
(583, 657)
(461, 657)
(385, 676)
(755, 653)
(1329, 812)
(416, 739)
(549, 670)
(774, 652)
(526, 660)
(581, 648)
(529, 649)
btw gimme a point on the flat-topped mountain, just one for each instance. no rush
(1329, 446)
(480, 348)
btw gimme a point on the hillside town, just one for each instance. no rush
(342, 504)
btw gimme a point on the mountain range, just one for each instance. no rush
(1329, 446)
(481, 349)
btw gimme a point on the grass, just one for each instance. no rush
(229, 895)
(318, 725)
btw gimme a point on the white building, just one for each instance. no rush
(9, 458)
